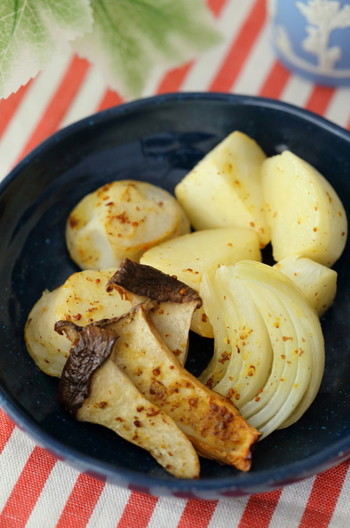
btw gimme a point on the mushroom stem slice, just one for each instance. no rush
(176, 302)
(211, 421)
(173, 323)
(94, 389)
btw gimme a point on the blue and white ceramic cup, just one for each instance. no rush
(312, 38)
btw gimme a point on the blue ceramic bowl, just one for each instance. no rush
(158, 140)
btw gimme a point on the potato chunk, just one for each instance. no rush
(189, 256)
(82, 298)
(224, 188)
(304, 212)
(122, 219)
(317, 282)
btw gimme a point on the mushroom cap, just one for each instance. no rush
(92, 346)
(149, 282)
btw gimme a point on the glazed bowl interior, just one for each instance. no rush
(158, 140)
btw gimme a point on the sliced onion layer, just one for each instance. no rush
(274, 365)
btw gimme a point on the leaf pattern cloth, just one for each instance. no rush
(127, 39)
(31, 31)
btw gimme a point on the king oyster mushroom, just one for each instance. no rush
(176, 302)
(84, 298)
(210, 421)
(94, 389)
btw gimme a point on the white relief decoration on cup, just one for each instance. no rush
(272, 7)
(322, 18)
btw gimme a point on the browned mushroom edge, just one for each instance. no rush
(152, 283)
(92, 346)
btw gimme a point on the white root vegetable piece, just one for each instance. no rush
(210, 421)
(274, 367)
(173, 323)
(224, 188)
(239, 367)
(94, 389)
(222, 346)
(188, 256)
(122, 219)
(176, 302)
(304, 212)
(82, 298)
(317, 282)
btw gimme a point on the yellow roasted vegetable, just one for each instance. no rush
(317, 282)
(87, 296)
(305, 215)
(121, 220)
(224, 188)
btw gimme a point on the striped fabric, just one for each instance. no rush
(38, 491)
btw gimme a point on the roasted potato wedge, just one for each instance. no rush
(317, 282)
(305, 214)
(88, 296)
(122, 219)
(224, 188)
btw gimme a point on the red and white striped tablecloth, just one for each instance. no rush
(38, 491)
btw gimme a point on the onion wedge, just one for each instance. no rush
(282, 346)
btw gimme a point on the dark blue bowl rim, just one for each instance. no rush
(134, 106)
(243, 482)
